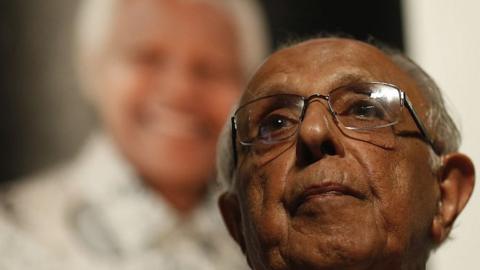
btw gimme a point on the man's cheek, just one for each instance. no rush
(262, 191)
(393, 203)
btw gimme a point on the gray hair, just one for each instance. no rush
(95, 17)
(444, 132)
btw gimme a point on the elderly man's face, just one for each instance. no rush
(168, 79)
(333, 198)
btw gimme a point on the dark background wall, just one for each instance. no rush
(362, 19)
(43, 119)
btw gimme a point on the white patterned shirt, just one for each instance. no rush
(96, 214)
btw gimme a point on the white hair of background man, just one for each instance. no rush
(94, 23)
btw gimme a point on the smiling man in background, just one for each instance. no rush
(162, 75)
(343, 157)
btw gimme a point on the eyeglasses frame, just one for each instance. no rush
(404, 102)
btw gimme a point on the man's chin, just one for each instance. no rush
(339, 237)
(329, 253)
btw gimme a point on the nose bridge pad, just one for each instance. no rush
(316, 139)
(323, 102)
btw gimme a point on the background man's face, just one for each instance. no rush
(169, 77)
(384, 194)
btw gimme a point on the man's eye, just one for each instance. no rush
(274, 127)
(365, 110)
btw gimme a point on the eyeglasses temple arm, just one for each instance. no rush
(419, 124)
(234, 140)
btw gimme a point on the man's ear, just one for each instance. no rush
(230, 210)
(457, 178)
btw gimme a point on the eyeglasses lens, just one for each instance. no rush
(277, 118)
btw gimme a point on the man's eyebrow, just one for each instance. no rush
(340, 79)
(337, 80)
(267, 89)
(273, 89)
(344, 78)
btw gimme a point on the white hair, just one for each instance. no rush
(225, 159)
(95, 19)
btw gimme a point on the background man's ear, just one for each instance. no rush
(230, 210)
(457, 179)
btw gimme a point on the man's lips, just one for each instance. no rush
(325, 190)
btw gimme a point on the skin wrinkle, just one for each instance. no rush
(248, 226)
(263, 184)
(261, 179)
(342, 130)
(275, 252)
(276, 156)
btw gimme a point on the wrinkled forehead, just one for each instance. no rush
(320, 65)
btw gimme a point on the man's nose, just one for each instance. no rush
(318, 135)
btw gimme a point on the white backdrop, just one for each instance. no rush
(443, 36)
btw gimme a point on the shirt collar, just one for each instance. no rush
(116, 202)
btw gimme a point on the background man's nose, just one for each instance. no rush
(318, 135)
(177, 86)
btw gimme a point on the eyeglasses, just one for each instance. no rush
(361, 106)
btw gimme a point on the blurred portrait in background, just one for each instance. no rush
(162, 76)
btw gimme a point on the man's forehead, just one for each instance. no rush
(323, 63)
(322, 49)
